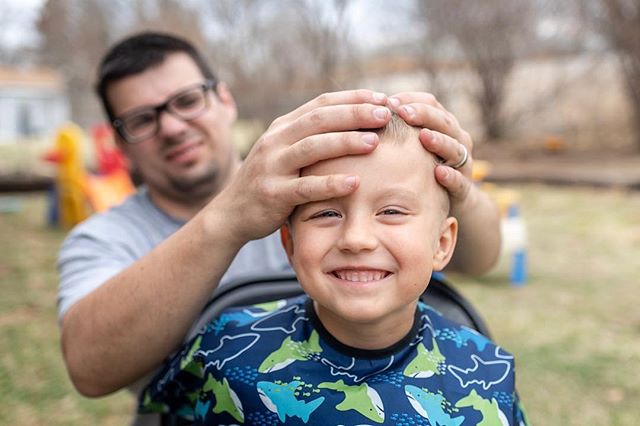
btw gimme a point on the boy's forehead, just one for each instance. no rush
(407, 152)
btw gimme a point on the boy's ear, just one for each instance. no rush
(287, 241)
(446, 243)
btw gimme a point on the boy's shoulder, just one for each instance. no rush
(269, 316)
(469, 359)
(445, 329)
(241, 327)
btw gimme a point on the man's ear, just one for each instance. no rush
(124, 148)
(287, 241)
(226, 98)
(446, 243)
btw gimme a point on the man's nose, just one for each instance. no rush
(358, 234)
(170, 125)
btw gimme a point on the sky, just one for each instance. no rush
(17, 22)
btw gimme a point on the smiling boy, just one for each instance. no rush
(359, 347)
(358, 257)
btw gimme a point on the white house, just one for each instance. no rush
(33, 103)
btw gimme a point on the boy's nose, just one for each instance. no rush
(357, 236)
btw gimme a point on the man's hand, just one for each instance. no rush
(268, 185)
(443, 136)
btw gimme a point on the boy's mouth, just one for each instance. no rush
(360, 275)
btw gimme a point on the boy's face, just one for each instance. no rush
(369, 256)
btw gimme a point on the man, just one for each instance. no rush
(134, 279)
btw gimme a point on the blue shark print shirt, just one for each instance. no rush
(275, 363)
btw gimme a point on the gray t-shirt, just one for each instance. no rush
(107, 243)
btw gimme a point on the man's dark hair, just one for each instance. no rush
(139, 52)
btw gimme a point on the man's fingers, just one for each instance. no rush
(314, 188)
(431, 117)
(346, 97)
(456, 184)
(335, 118)
(324, 146)
(414, 97)
(448, 149)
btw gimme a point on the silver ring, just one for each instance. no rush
(463, 160)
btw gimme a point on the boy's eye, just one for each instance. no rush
(391, 211)
(325, 214)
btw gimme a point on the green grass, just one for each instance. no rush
(574, 327)
(34, 387)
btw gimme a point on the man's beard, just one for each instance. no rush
(205, 185)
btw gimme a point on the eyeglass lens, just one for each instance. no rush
(186, 105)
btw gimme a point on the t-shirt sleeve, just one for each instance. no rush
(177, 387)
(85, 262)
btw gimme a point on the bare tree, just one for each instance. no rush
(276, 54)
(324, 33)
(242, 47)
(488, 36)
(75, 33)
(17, 38)
(619, 22)
(169, 15)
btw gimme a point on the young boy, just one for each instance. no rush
(359, 348)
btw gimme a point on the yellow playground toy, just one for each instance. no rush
(79, 192)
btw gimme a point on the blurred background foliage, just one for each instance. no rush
(511, 70)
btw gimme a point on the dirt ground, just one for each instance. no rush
(619, 168)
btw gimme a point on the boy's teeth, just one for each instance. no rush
(360, 276)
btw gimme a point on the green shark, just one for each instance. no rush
(361, 398)
(426, 363)
(153, 406)
(291, 351)
(491, 414)
(187, 362)
(271, 306)
(226, 398)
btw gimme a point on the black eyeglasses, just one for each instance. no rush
(143, 123)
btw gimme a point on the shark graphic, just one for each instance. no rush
(430, 406)
(491, 414)
(272, 323)
(226, 398)
(187, 362)
(281, 399)
(345, 370)
(151, 406)
(491, 373)
(269, 307)
(201, 409)
(465, 334)
(361, 398)
(241, 343)
(291, 351)
(241, 318)
(426, 363)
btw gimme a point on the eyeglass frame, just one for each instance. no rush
(118, 122)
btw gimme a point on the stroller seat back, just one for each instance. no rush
(249, 291)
